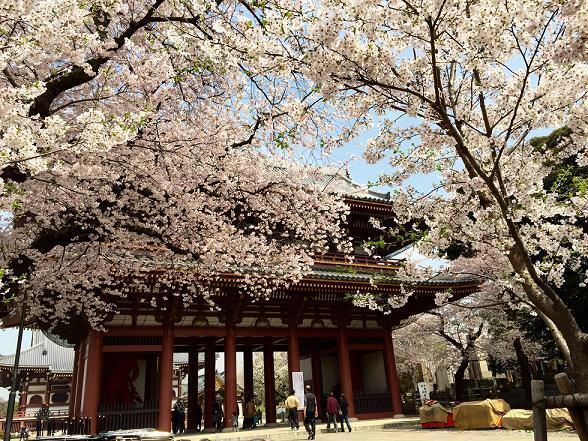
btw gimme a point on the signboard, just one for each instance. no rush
(298, 386)
(424, 390)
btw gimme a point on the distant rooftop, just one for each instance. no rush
(337, 180)
(45, 354)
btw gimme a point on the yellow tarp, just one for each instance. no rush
(436, 412)
(485, 414)
(521, 419)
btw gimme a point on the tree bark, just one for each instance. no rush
(525, 369)
(459, 378)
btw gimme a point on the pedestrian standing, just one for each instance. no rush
(310, 413)
(292, 404)
(344, 406)
(217, 415)
(332, 409)
(249, 416)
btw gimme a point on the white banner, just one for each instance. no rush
(298, 386)
(424, 390)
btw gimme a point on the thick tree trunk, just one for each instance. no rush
(525, 369)
(459, 379)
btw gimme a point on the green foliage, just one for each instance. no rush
(567, 179)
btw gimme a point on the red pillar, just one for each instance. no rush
(248, 372)
(91, 396)
(209, 383)
(293, 353)
(80, 378)
(192, 388)
(166, 369)
(392, 375)
(270, 382)
(74, 382)
(317, 380)
(230, 373)
(345, 369)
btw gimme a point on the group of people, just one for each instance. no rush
(334, 407)
(252, 416)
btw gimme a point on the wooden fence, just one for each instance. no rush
(372, 401)
(117, 416)
(576, 403)
(55, 425)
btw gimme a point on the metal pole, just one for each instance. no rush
(12, 395)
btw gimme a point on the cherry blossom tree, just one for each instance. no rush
(418, 348)
(143, 155)
(455, 90)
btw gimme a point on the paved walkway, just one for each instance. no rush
(283, 432)
(405, 429)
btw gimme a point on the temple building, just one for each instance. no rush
(338, 347)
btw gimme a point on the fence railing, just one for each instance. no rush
(576, 403)
(116, 416)
(372, 401)
(55, 425)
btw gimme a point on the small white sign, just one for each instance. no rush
(424, 390)
(298, 386)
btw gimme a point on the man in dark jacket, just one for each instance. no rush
(332, 409)
(344, 406)
(310, 413)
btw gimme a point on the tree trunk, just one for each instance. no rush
(459, 378)
(525, 369)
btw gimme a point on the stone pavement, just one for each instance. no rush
(283, 432)
(405, 429)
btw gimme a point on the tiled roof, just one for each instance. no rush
(337, 180)
(45, 354)
(438, 280)
(58, 359)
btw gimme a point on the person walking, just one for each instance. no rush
(179, 416)
(310, 412)
(344, 407)
(292, 404)
(332, 409)
(217, 415)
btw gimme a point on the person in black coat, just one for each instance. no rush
(344, 407)
(217, 415)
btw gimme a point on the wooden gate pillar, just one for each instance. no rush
(293, 353)
(166, 370)
(74, 382)
(192, 387)
(248, 373)
(270, 381)
(230, 373)
(209, 383)
(392, 375)
(345, 369)
(90, 400)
